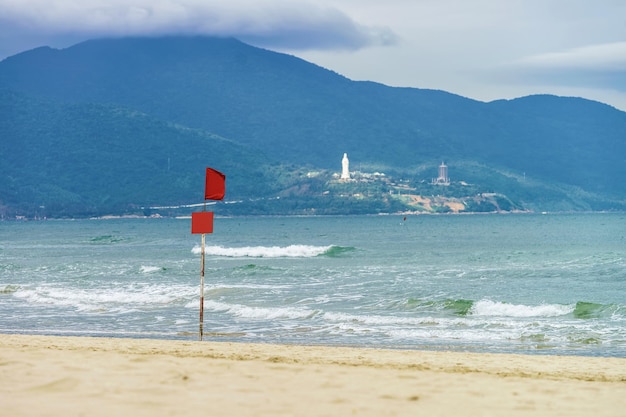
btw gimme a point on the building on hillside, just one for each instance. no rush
(443, 178)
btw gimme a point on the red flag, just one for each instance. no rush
(215, 186)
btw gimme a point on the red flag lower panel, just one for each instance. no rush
(202, 222)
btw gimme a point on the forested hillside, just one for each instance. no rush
(93, 159)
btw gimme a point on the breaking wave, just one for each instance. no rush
(493, 308)
(150, 269)
(115, 299)
(259, 313)
(291, 251)
(586, 310)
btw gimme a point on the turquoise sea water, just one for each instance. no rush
(548, 284)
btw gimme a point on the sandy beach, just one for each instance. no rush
(75, 376)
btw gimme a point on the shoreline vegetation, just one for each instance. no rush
(61, 375)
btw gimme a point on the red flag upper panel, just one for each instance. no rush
(215, 186)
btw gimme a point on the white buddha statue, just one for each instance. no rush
(345, 167)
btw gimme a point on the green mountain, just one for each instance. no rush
(92, 159)
(128, 106)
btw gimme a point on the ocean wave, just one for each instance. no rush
(580, 310)
(587, 310)
(150, 269)
(336, 251)
(379, 320)
(259, 313)
(9, 289)
(105, 239)
(253, 269)
(458, 307)
(494, 308)
(291, 251)
(118, 299)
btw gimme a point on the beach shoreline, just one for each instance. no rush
(61, 375)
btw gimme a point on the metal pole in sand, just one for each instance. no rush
(202, 286)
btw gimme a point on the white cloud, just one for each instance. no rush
(596, 72)
(281, 23)
(607, 56)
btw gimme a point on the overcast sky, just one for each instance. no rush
(482, 49)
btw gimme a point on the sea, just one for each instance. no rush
(547, 284)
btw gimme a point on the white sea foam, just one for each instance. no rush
(492, 308)
(477, 334)
(391, 321)
(118, 299)
(262, 313)
(150, 269)
(291, 251)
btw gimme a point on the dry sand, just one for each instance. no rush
(82, 376)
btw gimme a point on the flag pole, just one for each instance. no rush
(202, 223)
(202, 287)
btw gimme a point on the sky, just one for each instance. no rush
(481, 49)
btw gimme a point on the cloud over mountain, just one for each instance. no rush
(599, 65)
(268, 23)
